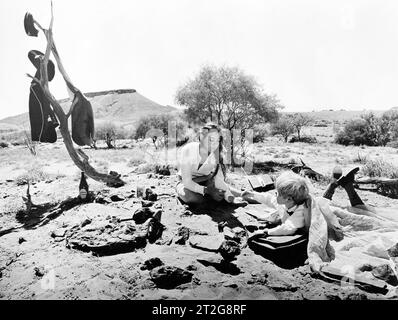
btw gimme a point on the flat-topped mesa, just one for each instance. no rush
(103, 93)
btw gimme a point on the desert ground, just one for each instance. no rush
(36, 263)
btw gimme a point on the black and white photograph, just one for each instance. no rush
(183, 150)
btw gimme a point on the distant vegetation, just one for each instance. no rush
(370, 130)
(289, 124)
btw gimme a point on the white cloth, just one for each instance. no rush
(189, 169)
(290, 223)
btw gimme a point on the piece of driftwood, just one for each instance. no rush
(384, 186)
(80, 159)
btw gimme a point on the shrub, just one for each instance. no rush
(380, 168)
(283, 127)
(362, 159)
(34, 174)
(259, 134)
(156, 127)
(355, 133)
(305, 139)
(369, 130)
(393, 144)
(3, 144)
(109, 132)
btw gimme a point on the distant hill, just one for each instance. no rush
(339, 115)
(123, 107)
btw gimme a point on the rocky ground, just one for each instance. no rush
(103, 250)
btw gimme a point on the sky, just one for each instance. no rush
(313, 55)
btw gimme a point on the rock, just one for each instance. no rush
(150, 195)
(147, 204)
(384, 272)
(182, 235)
(101, 199)
(192, 267)
(116, 198)
(393, 251)
(356, 296)
(206, 243)
(107, 238)
(229, 250)
(365, 267)
(151, 264)
(187, 213)
(162, 170)
(230, 284)
(39, 271)
(154, 230)
(169, 277)
(141, 215)
(21, 240)
(58, 233)
(85, 222)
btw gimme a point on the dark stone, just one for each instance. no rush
(366, 267)
(101, 199)
(117, 198)
(182, 235)
(229, 250)
(21, 240)
(168, 277)
(39, 271)
(150, 195)
(152, 264)
(192, 267)
(141, 215)
(85, 222)
(384, 272)
(162, 170)
(154, 230)
(393, 251)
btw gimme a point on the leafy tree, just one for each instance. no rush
(156, 127)
(228, 97)
(283, 127)
(300, 120)
(109, 132)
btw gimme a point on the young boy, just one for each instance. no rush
(289, 215)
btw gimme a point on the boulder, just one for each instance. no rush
(182, 235)
(150, 195)
(141, 215)
(384, 272)
(229, 250)
(169, 277)
(151, 264)
(206, 243)
(393, 251)
(154, 230)
(104, 237)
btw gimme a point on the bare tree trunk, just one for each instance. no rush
(78, 156)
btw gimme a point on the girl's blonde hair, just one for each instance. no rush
(290, 184)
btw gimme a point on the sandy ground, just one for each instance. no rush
(42, 267)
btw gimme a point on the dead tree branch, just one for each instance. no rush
(80, 159)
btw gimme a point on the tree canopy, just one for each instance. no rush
(227, 96)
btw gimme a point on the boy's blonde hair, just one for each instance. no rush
(290, 184)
